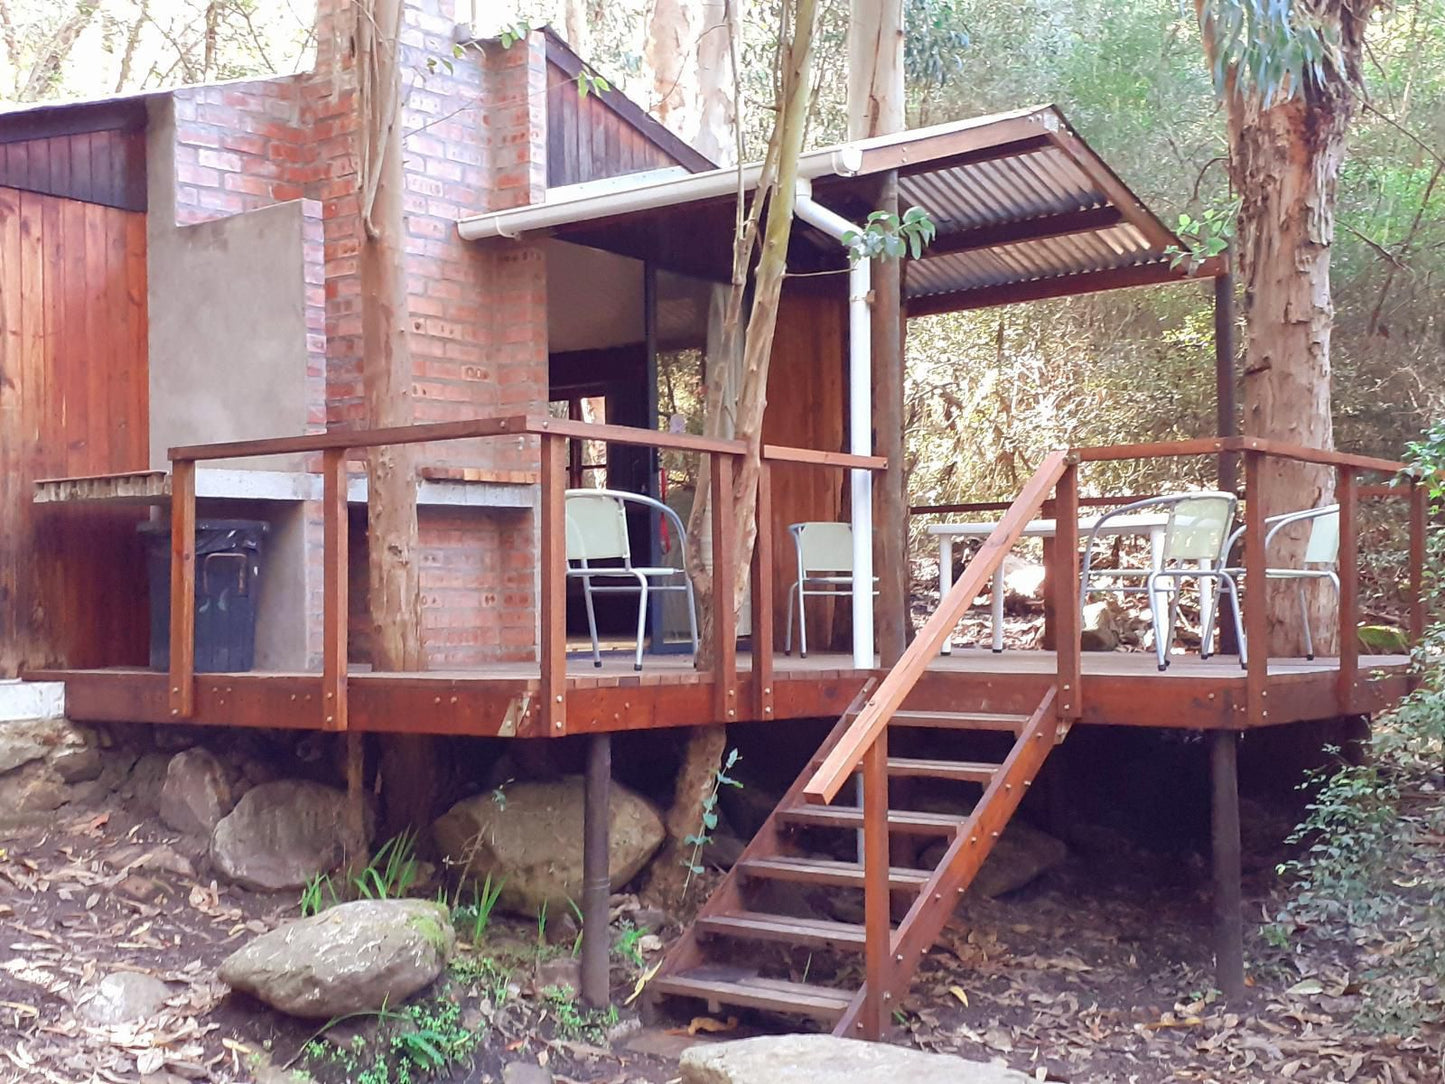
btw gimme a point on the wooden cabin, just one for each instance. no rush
(181, 339)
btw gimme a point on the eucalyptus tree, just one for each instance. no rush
(1289, 75)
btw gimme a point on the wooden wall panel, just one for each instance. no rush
(589, 138)
(105, 167)
(73, 401)
(807, 408)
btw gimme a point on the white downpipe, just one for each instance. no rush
(860, 418)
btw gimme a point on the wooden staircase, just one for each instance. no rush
(753, 942)
(704, 965)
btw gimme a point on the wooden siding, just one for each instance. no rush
(73, 401)
(587, 140)
(807, 408)
(105, 167)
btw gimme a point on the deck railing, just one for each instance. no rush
(863, 748)
(553, 433)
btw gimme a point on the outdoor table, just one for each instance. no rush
(947, 533)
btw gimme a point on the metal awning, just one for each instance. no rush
(1025, 209)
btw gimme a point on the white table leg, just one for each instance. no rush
(998, 610)
(945, 581)
(1156, 561)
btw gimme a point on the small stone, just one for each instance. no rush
(652, 919)
(76, 763)
(525, 1072)
(355, 957)
(123, 996)
(196, 793)
(564, 972)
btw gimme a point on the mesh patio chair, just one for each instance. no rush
(825, 567)
(1195, 547)
(597, 531)
(1322, 551)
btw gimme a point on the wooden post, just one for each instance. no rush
(552, 639)
(1348, 677)
(762, 597)
(596, 877)
(1417, 561)
(334, 585)
(1065, 591)
(878, 948)
(1227, 424)
(1256, 614)
(1228, 894)
(724, 591)
(183, 589)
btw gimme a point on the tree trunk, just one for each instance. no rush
(875, 107)
(716, 83)
(408, 767)
(1285, 157)
(776, 191)
(669, 39)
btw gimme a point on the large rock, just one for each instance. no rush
(123, 996)
(196, 793)
(1021, 854)
(35, 787)
(823, 1059)
(356, 957)
(280, 835)
(24, 740)
(533, 841)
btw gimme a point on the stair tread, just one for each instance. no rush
(827, 871)
(970, 770)
(765, 926)
(847, 816)
(962, 720)
(728, 986)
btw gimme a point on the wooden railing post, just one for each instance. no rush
(1065, 577)
(877, 924)
(183, 589)
(334, 585)
(552, 638)
(761, 636)
(724, 591)
(1256, 614)
(1417, 561)
(1348, 677)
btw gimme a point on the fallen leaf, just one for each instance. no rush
(958, 992)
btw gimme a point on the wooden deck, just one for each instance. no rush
(1123, 689)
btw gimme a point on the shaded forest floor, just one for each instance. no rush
(1099, 971)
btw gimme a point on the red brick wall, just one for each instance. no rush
(476, 138)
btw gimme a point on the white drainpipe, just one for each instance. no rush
(860, 417)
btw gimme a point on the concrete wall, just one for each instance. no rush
(228, 319)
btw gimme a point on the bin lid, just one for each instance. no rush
(160, 526)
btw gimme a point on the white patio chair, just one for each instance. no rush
(1322, 551)
(597, 531)
(825, 567)
(1194, 547)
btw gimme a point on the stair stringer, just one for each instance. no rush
(686, 952)
(935, 904)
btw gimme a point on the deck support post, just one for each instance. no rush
(1228, 892)
(596, 877)
(877, 917)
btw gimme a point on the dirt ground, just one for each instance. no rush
(1099, 972)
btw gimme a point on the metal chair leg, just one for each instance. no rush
(1227, 581)
(591, 621)
(641, 618)
(788, 631)
(1304, 612)
(802, 622)
(1161, 647)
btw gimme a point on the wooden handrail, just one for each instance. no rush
(1278, 449)
(1004, 506)
(843, 760)
(779, 453)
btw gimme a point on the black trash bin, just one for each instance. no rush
(228, 567)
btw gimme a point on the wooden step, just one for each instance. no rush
(825, 871)
(726, 986)
(960, 770)
(961, 720)
(848, 816)
(761, 926)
